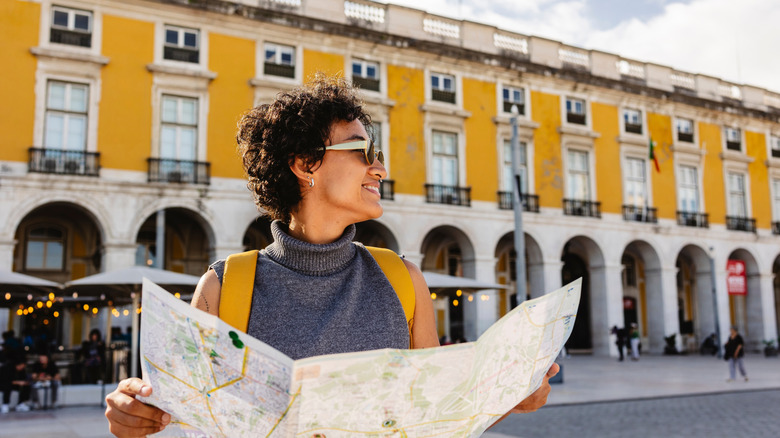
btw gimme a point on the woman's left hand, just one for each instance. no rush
(539, 397)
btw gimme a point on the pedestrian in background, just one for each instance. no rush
(735, 351)
(620, 339)
(634, 341)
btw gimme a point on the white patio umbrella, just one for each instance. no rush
(441, 281)
(16, 288)
(125, 285)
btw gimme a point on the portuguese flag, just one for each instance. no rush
(653, 156)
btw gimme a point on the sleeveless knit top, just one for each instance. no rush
(310, 300)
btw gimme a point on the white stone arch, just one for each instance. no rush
(747, 310)
(647, 289)
(694, 281)
(438, 238)
(95, 210)
(534, 262)
(201, 214)
(374, 233)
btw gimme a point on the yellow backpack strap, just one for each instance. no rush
(238, 282)
(395, 270)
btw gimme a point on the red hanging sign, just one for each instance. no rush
(736, 277)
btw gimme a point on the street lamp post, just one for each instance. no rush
(715, 301)
(517, 204)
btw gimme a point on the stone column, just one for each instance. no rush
(7, 254)
(535, 274)
(606, 306)
(662, 307)
(480, 314)
(768, 307)
(724, 312)
(552, 275)
(118, 255)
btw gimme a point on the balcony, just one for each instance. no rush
(366, 83)
(685, 136)
(691, 219)
(443, 96)
(530, 202)
(579, 119)
(64, 162)
(285, 71)
(178, 171)
(734, 146)
(737, 223)
(775, 227)
(73, 38)
(181, 54)
(387, 189)
(776, 153)
(450, 195)
(578, 207)
(634, 128)
(508, 107)
(637, 213)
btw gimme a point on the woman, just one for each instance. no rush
(735, 351)
(312, 167)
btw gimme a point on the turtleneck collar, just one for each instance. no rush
(308, 258)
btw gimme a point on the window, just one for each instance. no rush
(689, 190)
(365, 74)
(776, 200)
(575, 111)
(685, 130)
(633, 121)
(65, 125)
(737, 200)
(71, 26)
(733, 139)
(443, 87)
(181, 44)
(178, 137)
(445, 159)
(774, 145)
(508, 173)
(578, 178)
(45, 248)
(279, 60)
(376, 135)
(514, 96)
(636, 185)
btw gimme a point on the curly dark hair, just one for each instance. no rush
(296, 124)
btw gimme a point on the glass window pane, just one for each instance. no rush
(169, 109)
(191, 39)
(34, 259)
(371, 71)
(448, 84)
(60, 18)
(505, 93)
(187, 143)
(270, 54)
(172, 37)
(357, 69)
(55, 127)
(168, 142)
(81, 22)
(189, 111)
(56, 96)
(78, 98)
(77, 133)
(53, 255)
(437, 170)
(434, 81)
(287, 58)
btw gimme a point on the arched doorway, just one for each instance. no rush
(746, 310)
(642, 293)
(188, 242)
(373, 233)
(447, 250)
(694, 296)
(582, 257)
(506, 272)
(575, 267)
(258, 234)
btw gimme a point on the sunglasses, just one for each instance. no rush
(366, 145)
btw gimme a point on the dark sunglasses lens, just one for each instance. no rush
(381, 157)
(370, 153)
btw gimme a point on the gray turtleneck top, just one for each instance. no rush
(310, 300)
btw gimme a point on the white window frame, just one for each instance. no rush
(381, 72)
(71, 26)
(512, 89)
(46, 23)
(566, 172)
(279, 50)
(160, 90)
(458, 157)
(640, 113)
(745, 194)
(731, 128)
(585, 108)
(364, 64)
(773, 141)
(699, 193)
(775, 193)
(181, 31)
(178, 124)
(67, 114)
(693, 132)
(273, 81)
(505, 161)
(41, 98)
(646, 180)
(160, 44)
(441, 74)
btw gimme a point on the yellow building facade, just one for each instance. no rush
(117, 113)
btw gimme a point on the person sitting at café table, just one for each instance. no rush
(13, 377)
(45, 373)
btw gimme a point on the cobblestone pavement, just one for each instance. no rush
(727, 415)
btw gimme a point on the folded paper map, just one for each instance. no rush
(217, 381)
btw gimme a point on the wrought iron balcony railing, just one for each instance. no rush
(685, 136)
(70, 37)
(273, 69)
(578, 207)
(451, 195)
(575, 118)
(737, 223)
(181, 54)
(178, 171)
(693, 219)
(366, 83)
(530, 202)
(387, 189)
(638, 213)
(634, 128)
(64, 162)
(443, 96)
(508, 107)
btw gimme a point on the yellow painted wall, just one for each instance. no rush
(406, 86)
(328, 63)
(124, 125)
(547, 149)
(608, 177)
(712, 175)
(233, 59)
(663, 183)
(760, 197)
(19, 25)
(479, 98)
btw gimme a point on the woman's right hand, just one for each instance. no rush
(128, 417)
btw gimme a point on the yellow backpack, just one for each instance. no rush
(239, 277)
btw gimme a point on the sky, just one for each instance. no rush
(735, 40)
